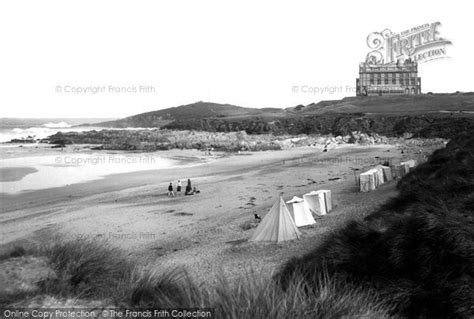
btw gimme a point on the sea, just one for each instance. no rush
(17, 128)
(33, 166)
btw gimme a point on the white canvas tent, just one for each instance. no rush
(387, 173)
(319, 202)
(410, 164)
(378, 175)
(327, 199)
(406, 166)
(301, 213)
(398, 171)
(367, 180)
(277, 225)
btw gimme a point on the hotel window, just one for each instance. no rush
(379, 78)
(371, 78)
(394, 79)
(413, 81)
(386, 78)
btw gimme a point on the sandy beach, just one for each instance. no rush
(206, 233)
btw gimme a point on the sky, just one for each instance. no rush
(117, 58)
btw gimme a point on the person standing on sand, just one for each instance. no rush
(178, 187)
(189, 189)
(170, 190)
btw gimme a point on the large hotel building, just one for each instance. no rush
(388, 79)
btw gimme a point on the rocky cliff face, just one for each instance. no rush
(425, 115)
(336, 124)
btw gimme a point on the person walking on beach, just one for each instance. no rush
(170, 190)
(189, 189)
(178, 188)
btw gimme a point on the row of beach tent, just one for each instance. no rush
(374, 177)
(280, 224)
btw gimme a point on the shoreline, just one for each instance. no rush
(14, 174)
(74, 167)
(119, 181)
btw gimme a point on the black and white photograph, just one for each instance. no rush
(236, 159)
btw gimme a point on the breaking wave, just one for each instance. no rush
(57, 125)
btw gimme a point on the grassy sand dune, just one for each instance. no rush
(416, 251)
(91, 272)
